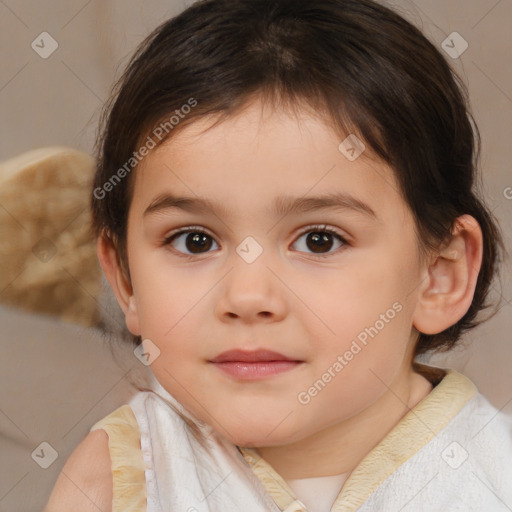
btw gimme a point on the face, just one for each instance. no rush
(328, 284)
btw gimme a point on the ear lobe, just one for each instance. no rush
(449, 287)
(118, 281)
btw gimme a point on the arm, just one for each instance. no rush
(85, 482)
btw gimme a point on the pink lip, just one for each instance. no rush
(254, 356)
(253, 365)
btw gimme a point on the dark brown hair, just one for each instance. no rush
(360, 65)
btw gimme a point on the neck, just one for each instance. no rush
(341, 447)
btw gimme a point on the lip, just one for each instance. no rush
(254, 365)
(254, 356)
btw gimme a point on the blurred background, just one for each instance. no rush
(58, 62)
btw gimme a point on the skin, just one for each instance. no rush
(290, 299)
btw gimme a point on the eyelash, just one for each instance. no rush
(196, 229)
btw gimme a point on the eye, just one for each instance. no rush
(197, 241)
(320, 240)
(191, 241)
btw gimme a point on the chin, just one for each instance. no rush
(261, 435)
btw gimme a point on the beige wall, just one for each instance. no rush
(56, 101)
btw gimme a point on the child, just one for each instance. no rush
(285, 211)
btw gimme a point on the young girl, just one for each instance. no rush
(286, 213)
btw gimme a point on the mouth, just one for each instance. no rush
(254, 365)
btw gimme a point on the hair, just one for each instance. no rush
(358, 64)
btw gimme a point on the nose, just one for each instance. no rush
(252, 292)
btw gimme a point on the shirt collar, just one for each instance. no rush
(420, 425)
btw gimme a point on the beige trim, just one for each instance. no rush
(420, 425)
(128, 469)
(273, 482)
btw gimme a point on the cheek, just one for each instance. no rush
(366, 319)
(170, 312)
(163, 297)
(353, 374)
(352, 300)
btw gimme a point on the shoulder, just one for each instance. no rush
(491, 430)
(85, 482)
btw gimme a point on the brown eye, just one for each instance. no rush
(320, 240)
(190, 242)
(197, 242)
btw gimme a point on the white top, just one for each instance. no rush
(318, 493)
(451, 453)
(183, 476)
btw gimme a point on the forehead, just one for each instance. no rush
(249, 159)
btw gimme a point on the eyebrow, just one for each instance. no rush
(283, 205)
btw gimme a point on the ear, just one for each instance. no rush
(449, 283)
(119, 282)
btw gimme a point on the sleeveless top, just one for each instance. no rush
(451, 452)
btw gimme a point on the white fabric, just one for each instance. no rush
(182, 476)
(482, 483)
(318, 493)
